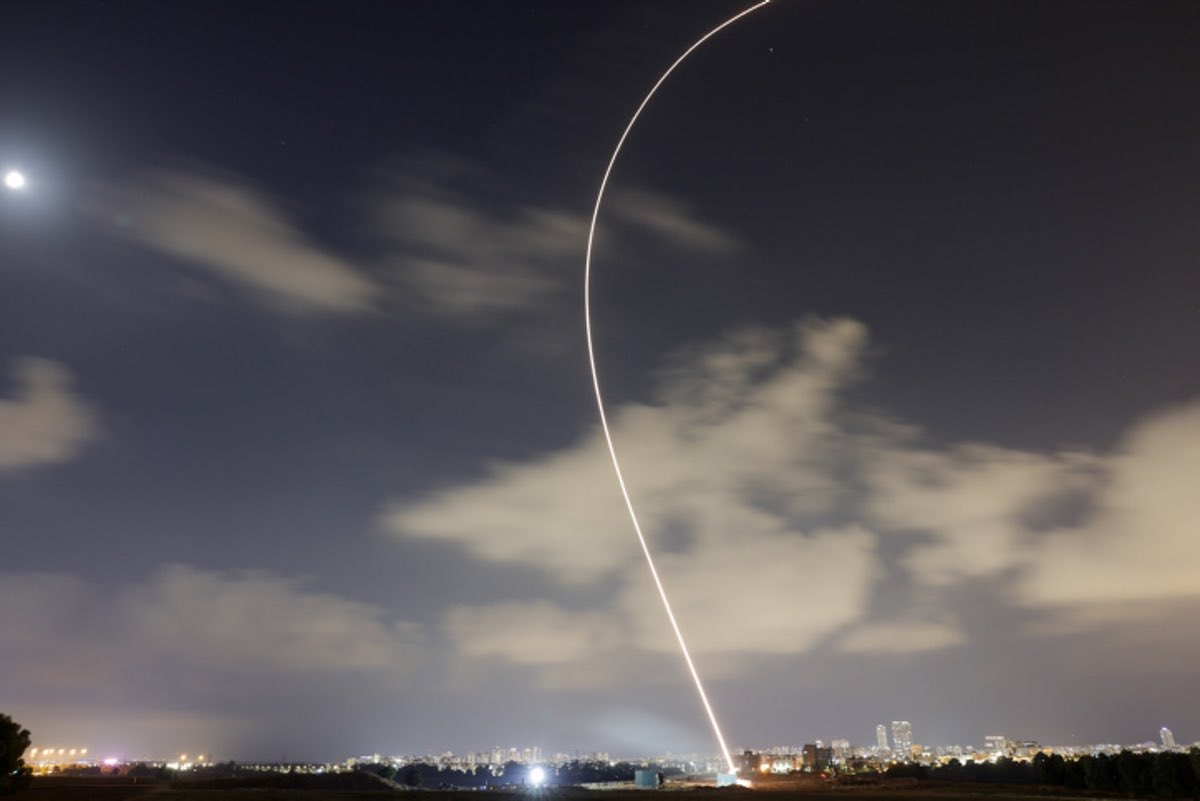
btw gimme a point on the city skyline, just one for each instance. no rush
(896, 312)
(993, 745)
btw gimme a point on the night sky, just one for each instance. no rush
(898, 319)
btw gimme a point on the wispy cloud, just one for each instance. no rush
(223, 224)
(44, 421)
(458, 254)
(669, 219)
(446, 236)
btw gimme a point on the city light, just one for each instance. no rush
(537, 776)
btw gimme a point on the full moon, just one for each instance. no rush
(14, 179)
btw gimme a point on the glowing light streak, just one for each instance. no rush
(587, 316)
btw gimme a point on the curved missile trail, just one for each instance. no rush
(587, 316)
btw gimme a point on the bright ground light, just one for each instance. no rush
(14, 179)
(537, 777)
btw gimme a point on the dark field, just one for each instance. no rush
(363, 787)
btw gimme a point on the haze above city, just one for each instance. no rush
(898, 317)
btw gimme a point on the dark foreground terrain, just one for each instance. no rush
(365, 787)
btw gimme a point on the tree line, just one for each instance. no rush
(1167, 774)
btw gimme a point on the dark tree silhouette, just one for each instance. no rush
(1134, 773)
(14, 776)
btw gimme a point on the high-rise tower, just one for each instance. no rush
(1168, 738)
(881, 738)
(902, 738)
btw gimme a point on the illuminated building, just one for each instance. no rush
(749, 762)
(902, 738)
(816, 756)
(1168, 738)
(881, 742)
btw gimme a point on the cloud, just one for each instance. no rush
(256, 621)
(456, 257)
(44, 422)
(192, 659)
(44, 634)
(568, 649)
(973, 499)
(760, 588)
(901, 637)
(702, 460)
(669, 219)
(1142, 542)
(977, 505)
(224, 225)
(740, 466)
(528, 632)
(447, 232)
(198, 627)
(701, 457)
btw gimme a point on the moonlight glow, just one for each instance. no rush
(14, 179)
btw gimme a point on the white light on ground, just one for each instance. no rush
(537, 777)
(14, 179)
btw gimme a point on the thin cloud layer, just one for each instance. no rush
(195, 626)
(447, 250)
(224, 225)
(124, 667)
(669, 219)
(533, 633)
(901, 638)
(43, 422)
(258, 622)
(457, 257)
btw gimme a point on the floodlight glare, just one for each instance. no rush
(537, 777)
(14, 179)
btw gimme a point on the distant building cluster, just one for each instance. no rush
(840, 756)
(493, 760)
(816, 757)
